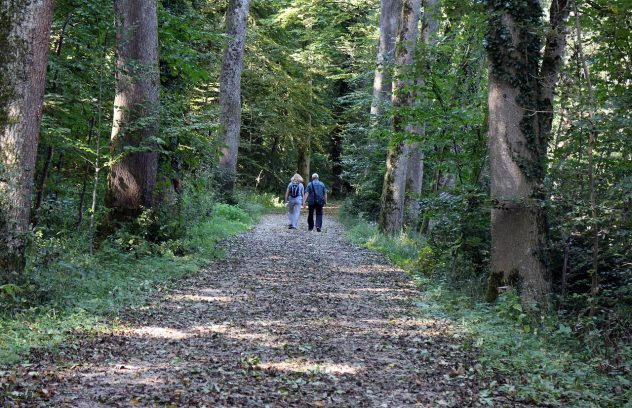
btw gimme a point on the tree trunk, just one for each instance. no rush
(230, 92)
(132, 178)
(84, 184)
(41, 182)
(414, 183)
(592, 140)
(303, 165)
(391, 218)
(390, 11)
(518, 140)
(552, 62)
(24, 41)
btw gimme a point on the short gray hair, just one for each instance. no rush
(315, 175)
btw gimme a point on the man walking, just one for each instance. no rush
(316, 198)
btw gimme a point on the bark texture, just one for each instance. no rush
(390, 12)
(303, 163)
(414, 178)
(391, 218)
(132, 179)
(24, 41)
(552, 61)
(230, 91)
(519, 132)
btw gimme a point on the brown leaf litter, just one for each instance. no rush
(289, 318)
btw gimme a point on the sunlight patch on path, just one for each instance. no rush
(237, 333)
(199, 298)
(159, 332)
(306, 366)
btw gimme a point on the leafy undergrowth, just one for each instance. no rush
(538, 361)
(75, 291)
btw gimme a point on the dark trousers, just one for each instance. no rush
(319, 216)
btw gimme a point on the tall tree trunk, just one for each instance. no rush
(132, 178)
(84, 184)
(518, 231)
(303, 165)
(41, 182)
(391, 218)
(390, 12)
(230, 92)
(24, 41)
(414, 178)
(552, 62)
(518, 140)
(592, 140)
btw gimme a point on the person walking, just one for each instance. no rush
(294, 200)
(316, 198)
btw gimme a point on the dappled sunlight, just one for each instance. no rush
(212, 292)
(159, 332)
(198, 298)
(237, 333)
(426, 327)
(125, 374)
(276, 258)
(337, 295)
(377, 290)
(303, 366)
(368, 269)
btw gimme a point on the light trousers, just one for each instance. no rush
(293, 212)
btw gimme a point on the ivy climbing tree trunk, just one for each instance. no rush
(391, 219)
(390, 11)
(415, 175)
(520, 114)
(24, 41)
(132, 177)
(230, 92)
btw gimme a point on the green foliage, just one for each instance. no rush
(297, 59)
(428, 261)
(541, 362)
(401, 250)
(569, 208)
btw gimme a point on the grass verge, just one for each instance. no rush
(538, 362)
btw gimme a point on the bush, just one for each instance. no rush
(231, 213)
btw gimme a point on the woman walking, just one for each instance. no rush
(294, 200)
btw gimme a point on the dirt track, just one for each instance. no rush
(290, 318)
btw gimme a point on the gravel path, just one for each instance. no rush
(290, 318)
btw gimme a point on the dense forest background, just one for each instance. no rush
(307, 90)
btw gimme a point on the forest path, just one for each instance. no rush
(289, 318)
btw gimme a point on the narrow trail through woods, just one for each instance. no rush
(289, 318)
